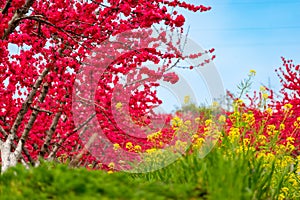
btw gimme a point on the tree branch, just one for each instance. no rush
(14, 22)
(4, 134)
(84, 123)
(50, 132)
(10, 158)
(27, 103)
(3, 131)
(39, 18)
(6, 7)
(25, 150)
(58, 144)
(75, 161)
(31, 121)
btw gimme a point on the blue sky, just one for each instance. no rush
(248, 35)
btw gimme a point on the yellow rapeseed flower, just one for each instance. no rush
(288, 107)
(244, 148)
(270, 157)
(296, 124)
(119, 105)
(239, 101)
(215, 104)
(271, 128)
(188, 122)
(151, 150)
(293, 180)
(262, 137)
(111, 165)
(197, 120)
(246, 141)
(116, 146)
(186, 99)
(208, 122)
(252, 72)
(282, 127)
(265, 96)
(283, 193)
(290, 147)
(269, 111)
(137, 148)
(129, 145)
(198, 142)
(280, 149)
(290, 139)
(222, 118)
(233, 134)
(262, 88)
(281, 196)
(154, 136)
(195, 136)
(176, 121)
(248, 118)
(285, 190)
(161, 144)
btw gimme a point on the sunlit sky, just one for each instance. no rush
(248, 35)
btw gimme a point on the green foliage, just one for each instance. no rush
(60, 182)
(245, 85)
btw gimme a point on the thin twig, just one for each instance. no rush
(41, 110)
(101, 4)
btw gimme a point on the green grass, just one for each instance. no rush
(60, 182)
(216, 177)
